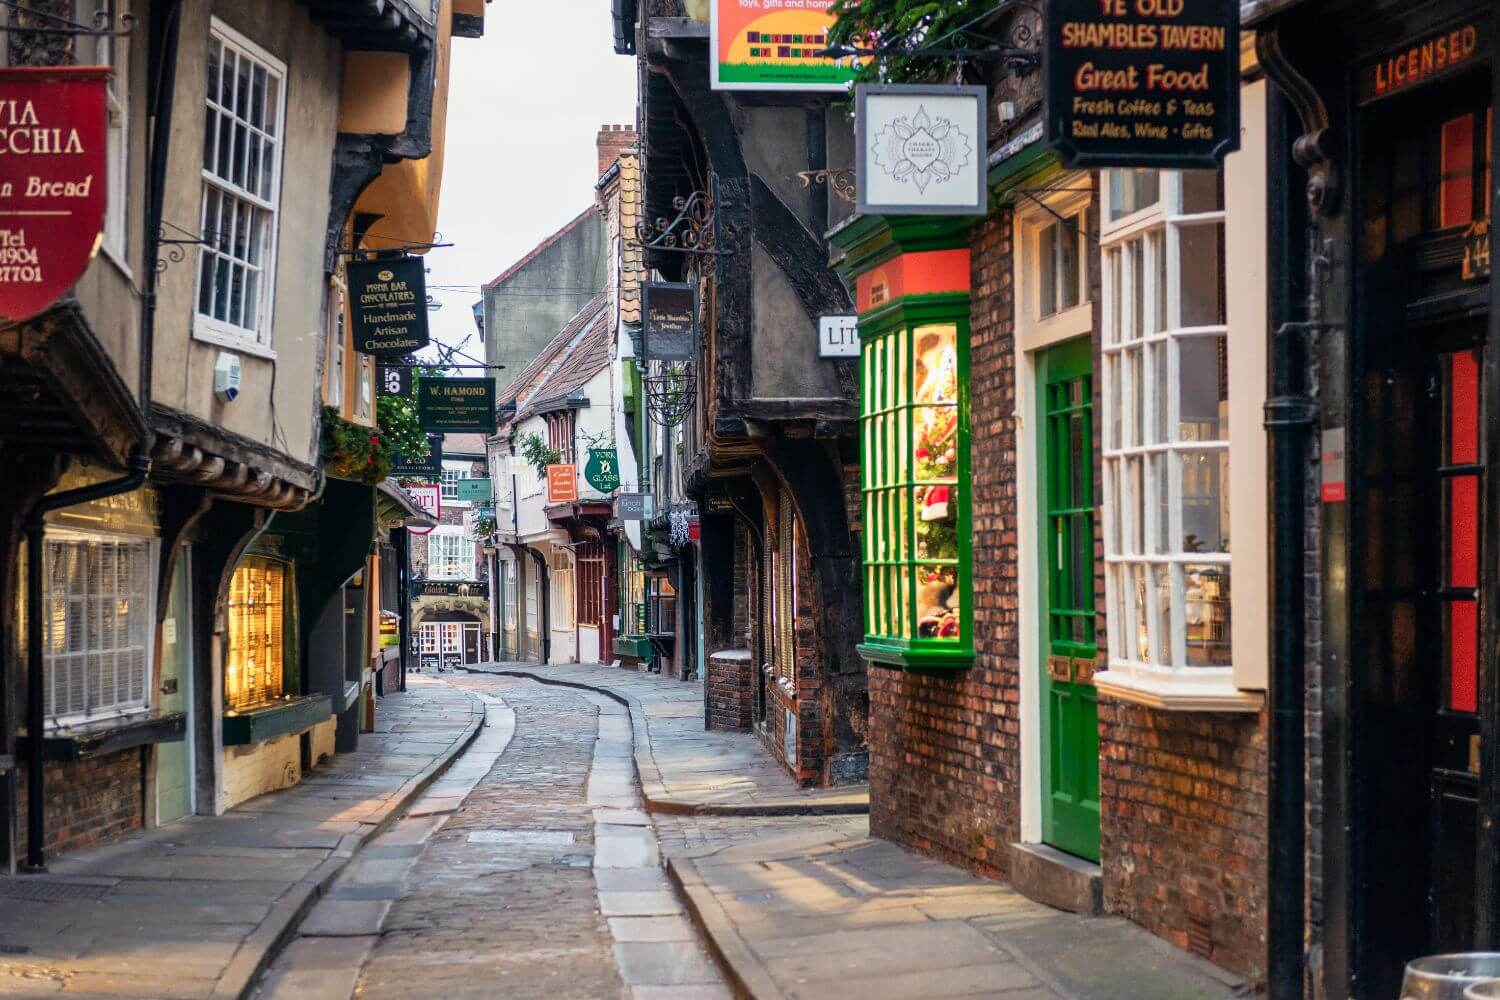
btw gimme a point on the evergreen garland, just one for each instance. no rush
(900, 26)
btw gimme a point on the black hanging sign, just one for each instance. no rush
(1143, 83)
(670, 332)
(456, 404)
(393, 380)
(388, 305)
(431, 466)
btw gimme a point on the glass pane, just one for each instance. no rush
(1462, 627)
(1137, 305)
(1067, 262)
(1156, 263)
(1203, 389)
(935, 364)
(1463, 408)
(1462, 507)
(214, 50)
(937, 522)
(1112, 331)
(1202, 291)
(210, 132)
(1135, 357)
(273, 106)
(937, 602)
(1205, 501)
(1159, 408)
(1161, 614)
(1134, 509)
(1207, 615)
(1158, 496)
(1140, 638)
(1201, 191)
(1132, 190)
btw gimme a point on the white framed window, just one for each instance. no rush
(564, 614)
(451, 474)
(98, 626)
(429, 637)
(242, 152)
(450, 554)
(1166, 426)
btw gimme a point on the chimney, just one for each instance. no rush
(612, 139)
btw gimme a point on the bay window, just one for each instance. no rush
(1164, 363)
(450, 554)
(97, 627)
(914, 439)
(255, 670)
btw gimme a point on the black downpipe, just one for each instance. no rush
(402, 543)
(1290, 417)
(165, 84)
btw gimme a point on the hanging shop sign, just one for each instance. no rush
(432, 465)
(562, 483)
(921, 149)
(1143, 83)
(633, 506)
(52, 182)
(393, 380)
(1427, 60)
(429, 498)
(474, 490)
(388, 305)
(774, 45)
(602, 470)
(670, 332)
(456, 404)
(838, 336)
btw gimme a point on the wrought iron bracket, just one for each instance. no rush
(172, 250)
(670, 394)
(107, 22)
(694, 230)
(840, 181)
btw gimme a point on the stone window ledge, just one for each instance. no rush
(1177, 692)
(296, 715)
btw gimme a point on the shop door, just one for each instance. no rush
(1070, 712)
(452, 638)
(471, 643)
(174, 761)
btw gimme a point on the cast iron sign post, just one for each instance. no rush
(456, 404)
(52, 179)
(1153, 84)
(388, 305)
(670, 332)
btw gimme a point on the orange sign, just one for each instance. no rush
(562, 483)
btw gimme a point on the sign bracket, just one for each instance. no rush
(104, 26)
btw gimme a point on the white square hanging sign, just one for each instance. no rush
(921, 149)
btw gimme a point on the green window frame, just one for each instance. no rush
(915, 483)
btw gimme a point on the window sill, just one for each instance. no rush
(95, 739)
(1177, 695)
(258, 725)
(884, 654)
(207, 334)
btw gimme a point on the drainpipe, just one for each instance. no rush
(1291, 415)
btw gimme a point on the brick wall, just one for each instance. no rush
(727, 691)
(945, 750)
(88, 801)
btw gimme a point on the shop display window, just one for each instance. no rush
(915, 488)
(255, 673)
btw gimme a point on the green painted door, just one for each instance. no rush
(174, 761)
(1070, 716)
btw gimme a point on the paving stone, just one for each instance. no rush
(316, 969)
(696, 991)
(664, 963)
(617, 851)
(332, 917)
(638, 904)
(675, 928)
(631, 879)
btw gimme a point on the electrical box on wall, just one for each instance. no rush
(226, 377)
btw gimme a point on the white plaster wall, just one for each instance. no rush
(259, 768)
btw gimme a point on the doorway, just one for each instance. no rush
(1416, 531)
(175, 786)
(1069, 702)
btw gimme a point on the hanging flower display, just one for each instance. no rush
(353, 451)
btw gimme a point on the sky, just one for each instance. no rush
(524, 105)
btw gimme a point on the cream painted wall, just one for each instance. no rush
(183, 378)
(254, 770)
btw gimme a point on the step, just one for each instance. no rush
(1050, 876)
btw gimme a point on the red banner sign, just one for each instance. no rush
(53, 154)
(562, 483)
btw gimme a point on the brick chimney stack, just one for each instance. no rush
(612, 139)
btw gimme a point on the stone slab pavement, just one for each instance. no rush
(199, 907)
(826, 910)
(684, 768)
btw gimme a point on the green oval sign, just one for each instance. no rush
(602, 470)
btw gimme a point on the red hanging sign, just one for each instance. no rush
(53, 155)
(562, 483)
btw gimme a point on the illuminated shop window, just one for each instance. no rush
(915, 488)
(255, 675)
